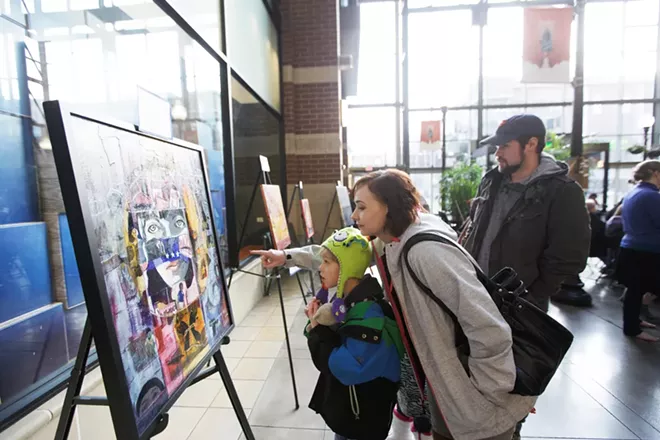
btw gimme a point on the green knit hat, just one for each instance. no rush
(353, 251)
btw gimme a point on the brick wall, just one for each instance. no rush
(309, 35)
(311, 90)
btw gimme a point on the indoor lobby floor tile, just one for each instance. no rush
(607, 387)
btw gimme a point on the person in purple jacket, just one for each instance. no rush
(639, 260)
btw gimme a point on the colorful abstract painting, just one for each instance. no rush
(307, 215)
(279, 228)
(151, 217)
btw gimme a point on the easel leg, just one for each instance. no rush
(311, 282)
(75, 384)
(286, 336)
(302, 289)
(233, 395)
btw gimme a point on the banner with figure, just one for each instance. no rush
(547, 45)
(430, 136)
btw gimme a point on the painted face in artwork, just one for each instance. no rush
(166, 243)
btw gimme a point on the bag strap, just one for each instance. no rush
(483, 278)
(430, 236)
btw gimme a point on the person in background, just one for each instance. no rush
(528, 214)
(639, 258)
(598, 246)
(614, 225)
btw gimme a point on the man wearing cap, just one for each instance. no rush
(528, 214)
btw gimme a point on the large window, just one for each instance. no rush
(377, 54)
(619, 124)
(253, 48)
(621, 59)
(442, 72)
(93, 55)
(620, 49)
(371, 137)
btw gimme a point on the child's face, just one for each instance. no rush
(329, 270)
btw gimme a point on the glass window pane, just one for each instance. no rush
(603, 58)
(494, 117)
(371, 137)
(53, 5)
(603, 27)
(435, 78)
(639, 75)
(78, 5)
(9, 35)
(377, 60)
(12, 9)
(461, 134)
(642, 12)
(621, 154)
(253, 48)
(428, 185)
(633, 118)
(426, 3)
(204, 17)
(256, 132)
(601, 120)
(640, 39)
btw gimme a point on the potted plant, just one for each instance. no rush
(458, 186)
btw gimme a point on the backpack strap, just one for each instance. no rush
(460, 337)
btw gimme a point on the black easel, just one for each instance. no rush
(298, 189)
(264, 177)
(73, 397)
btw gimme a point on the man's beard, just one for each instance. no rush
(509, 169)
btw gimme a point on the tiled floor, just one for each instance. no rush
(608, 386)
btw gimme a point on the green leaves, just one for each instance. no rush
(557, 146)
(458, 186)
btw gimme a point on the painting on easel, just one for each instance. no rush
(147, 252)
(307, 215)
(279, 227)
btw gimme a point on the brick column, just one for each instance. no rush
(310, 40)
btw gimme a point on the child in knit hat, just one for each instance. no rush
(354, 342)
(346, 256)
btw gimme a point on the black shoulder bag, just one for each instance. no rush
(539, 342)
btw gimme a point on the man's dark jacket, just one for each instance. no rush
(544, 238)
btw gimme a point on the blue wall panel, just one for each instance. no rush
(30, 350)
(24, 269)
(215, 163)
(74, 291)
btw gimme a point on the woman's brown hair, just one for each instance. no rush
(395, 189)
(644, 170)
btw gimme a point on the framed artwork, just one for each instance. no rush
(145, 242)
(345, 205)
(307, 215)
(279, 228)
